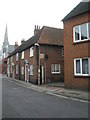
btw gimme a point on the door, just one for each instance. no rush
(42, 75)
(26, 73)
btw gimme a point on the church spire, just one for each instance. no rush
(6, 37)
(5, 43)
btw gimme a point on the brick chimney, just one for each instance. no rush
(16, 45)
(22, 41)
(37, 28)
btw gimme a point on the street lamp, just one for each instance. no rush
(38, 60)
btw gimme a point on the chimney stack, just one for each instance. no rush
(37, 28)
(22, 41)
(16, 45)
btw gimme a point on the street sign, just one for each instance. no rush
(41, 56)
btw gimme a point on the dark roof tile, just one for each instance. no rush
(81, 8)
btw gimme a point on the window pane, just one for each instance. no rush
(31, 70)
(78, 66)
(85, 66)
(83, 31)
(89, 28)
(57, 68)
(77, 34)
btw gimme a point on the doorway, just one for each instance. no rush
(26, 73)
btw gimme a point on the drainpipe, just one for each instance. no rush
(38, 48)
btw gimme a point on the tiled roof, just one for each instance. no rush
(81, 8)
(27, 43)
(51, 36)
(47, 35)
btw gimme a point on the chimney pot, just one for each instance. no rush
(16, 45)
(22, 41)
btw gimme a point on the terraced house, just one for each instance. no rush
(77, 47)
(40, 59)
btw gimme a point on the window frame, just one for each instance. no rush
(31, 70)
(11, 58)
(54, 66)
(81, 73)
(16, 69)
(8, 61)
(81, 40)
(16, 56)
(22, 55)
(11, 68)
(31, 51)
(22, 70)
(63, 52)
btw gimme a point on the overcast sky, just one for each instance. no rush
(22, 15)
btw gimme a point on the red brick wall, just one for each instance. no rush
(4, 66)
(72, 51)
(54, 57)
(32, 61)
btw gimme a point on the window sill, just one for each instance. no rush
(81, 41)
(31, 56)
(56, 73)
(82, 76)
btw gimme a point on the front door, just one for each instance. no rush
(26, 73)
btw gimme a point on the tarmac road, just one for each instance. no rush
(21, 102)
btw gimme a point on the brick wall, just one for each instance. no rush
(72, 51)
(54, 57)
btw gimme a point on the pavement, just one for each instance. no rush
(56, 89)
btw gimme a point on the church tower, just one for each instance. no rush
(5, 43)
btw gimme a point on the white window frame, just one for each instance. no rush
(22, 70)
(31, 70)
(80, 40)
(81, 74)
(22, 54)
(16, 69)
(55, 69)
(8, 61)
(11, 58)
(31, 51)
(16, 56)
